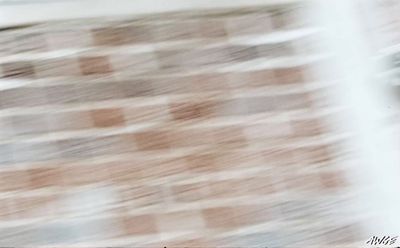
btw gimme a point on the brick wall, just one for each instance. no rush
(182, 129)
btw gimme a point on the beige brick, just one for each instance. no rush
(107, 117)
(153, 113)
(142, 196)
(14, 180)
(82, 174)
(201, 163)
(292, 75)
(180, 221)
(190, 111)
(333, 180)
(139, 225)
(308, 127)
(95, 65)
(190, 137)
(125, 172)
(190, 192)
(152, 140)
(252, 214)
(65, 121)
(44, 177)
(65, 67)
(220, 217)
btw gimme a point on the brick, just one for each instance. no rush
(131, 64)
(241, 53)
(292, 75)
(245, 106)
(209, 82)
(245, 25)
(142, 196)
(287, 19)
(174, 85)
(110, 36)
(152, 113)
(230, 136)
(252, 214)
(190, 137)
(62, 94)
(66, 67)
(201, 163)
(309, 127)
(95, 65)
(180, 221)
(251, 79)
(123, 35)
(225, 188)
(22, 97)
(6, 156)
(277, 50)
(164, 168)
(44, 177)
(107, 117)
(220, 217)
(140, 225)
(343, 234)
(175, 31)
(29, 42)
(30, 124)
(13, 180)
(279, 157)
(152, 140)
(200, 242)
(99, 92)
(238, 106)
(18, 70)
(34, 151)
(65, 39)
(231, 160)
(191, 110)
(257, 239)
(136, 88)
(185, 58)
(75, 148)
(31, 207)
(259, 185)
(332, 180)
(138, 33)
(302, 182)
(267, 131)
(212, 29)
(66, 121)
(293, 101)
(260, 104)
(314, 154)
(6, 209)
(110, 145)
(190, 192)
(6, 129)
(83, 174)
(125, 172)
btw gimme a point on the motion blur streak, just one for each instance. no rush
(261, 125)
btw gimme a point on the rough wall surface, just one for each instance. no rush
(182, 129)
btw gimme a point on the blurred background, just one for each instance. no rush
(186, 123)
